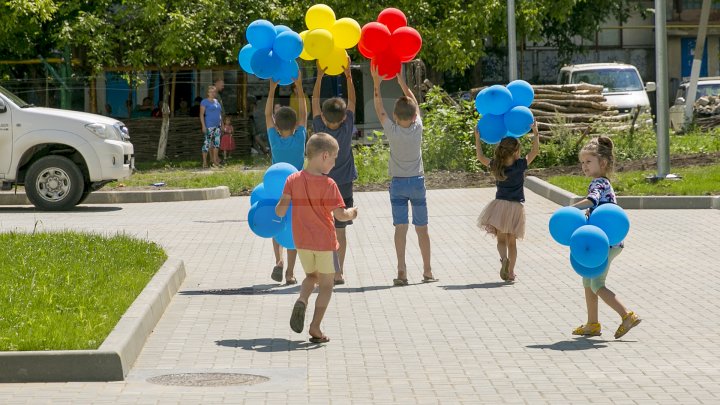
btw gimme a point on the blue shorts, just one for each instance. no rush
(404, 190)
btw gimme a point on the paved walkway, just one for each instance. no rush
(467, 339)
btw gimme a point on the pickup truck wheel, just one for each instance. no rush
(86, 192)
(54, 183)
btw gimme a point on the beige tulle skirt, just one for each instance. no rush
(501, 216)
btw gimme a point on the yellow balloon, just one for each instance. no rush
(319, 16)
(318, 43)
(346, 33)
(304, 55)
(335, 62)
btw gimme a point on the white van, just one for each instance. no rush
(622, 85)
(60, 156)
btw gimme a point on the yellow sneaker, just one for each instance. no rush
(629, 321)
(589, 329)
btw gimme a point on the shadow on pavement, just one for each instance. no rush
(254, 290)
(495, 284)
(10, 209)
(575, 344)
(268, 345)
(362, 289)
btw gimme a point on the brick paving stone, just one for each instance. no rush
(467, 339)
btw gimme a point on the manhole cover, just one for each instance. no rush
(208, 379)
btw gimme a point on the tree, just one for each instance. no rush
(168, 35)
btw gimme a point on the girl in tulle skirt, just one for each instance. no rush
(504, 217)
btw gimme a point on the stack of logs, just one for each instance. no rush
(576, 107)
(707, 110)
(185, 137)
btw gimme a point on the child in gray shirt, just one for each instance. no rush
(404, 133)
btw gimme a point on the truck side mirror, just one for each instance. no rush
(650, 86)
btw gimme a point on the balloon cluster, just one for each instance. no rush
(271, 52)
(326, 39)
(589, 239)
(504, 111)
(263, 200)
(388, 42)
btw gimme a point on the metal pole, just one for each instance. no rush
(697, 62)
(661, 77)
(512, 41)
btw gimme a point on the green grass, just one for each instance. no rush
(696, 180)
(237, 176)
(68, 290)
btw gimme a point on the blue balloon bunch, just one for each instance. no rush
(271, 52)
(589, 239)
(263, 200)
(504, 111)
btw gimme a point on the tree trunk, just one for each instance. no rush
(164, 129)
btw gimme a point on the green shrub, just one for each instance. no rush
(371, 161)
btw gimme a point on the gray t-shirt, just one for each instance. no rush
(405, 148)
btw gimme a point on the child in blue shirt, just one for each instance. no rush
(286, 134)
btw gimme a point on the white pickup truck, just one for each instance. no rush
(60, 156)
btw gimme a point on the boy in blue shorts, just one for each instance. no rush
(337, 119)
(404, 133)
(286, 134)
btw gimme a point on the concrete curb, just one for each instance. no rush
(564, 197)
(130, 197)
(113, 359)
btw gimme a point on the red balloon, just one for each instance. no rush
(405, 42)
(364, 51)
(392, 18)
(388, 64)
(375, 37)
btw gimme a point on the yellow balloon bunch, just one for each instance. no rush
(326, 38)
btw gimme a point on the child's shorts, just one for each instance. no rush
(599, 282)
(317, 261)
(404, 190)
(346, 191)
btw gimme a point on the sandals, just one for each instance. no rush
(290, 281)
(400, 282)
(589, 329)
(427, 279)
(276, 274)
(297, 319)
(321, 339)
(629, 321)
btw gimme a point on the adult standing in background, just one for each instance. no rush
(211, 123)
(220, 86)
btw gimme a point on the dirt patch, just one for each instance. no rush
(444, 179)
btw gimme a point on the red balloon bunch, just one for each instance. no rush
(388, 42)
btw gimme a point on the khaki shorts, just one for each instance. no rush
(599, 282)
(317, 261)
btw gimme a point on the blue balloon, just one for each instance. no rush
(588, 272)
(285, 237)
(518, 121)
(480, 102)
(245, 56)
(589, 246)
(522, 93)
(613, 220)
(258, 193)
(274, 178)
(288, 45)
(281, 28)
(262, 219)
(492, 128)
(264, 64)
(564, 222)
(495, 100)
(287, 72)
(261, 34)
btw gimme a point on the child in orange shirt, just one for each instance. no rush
(316, 199)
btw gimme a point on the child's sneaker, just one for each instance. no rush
(629, 321)
(589, 329)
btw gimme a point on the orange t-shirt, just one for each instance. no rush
(314, 197)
